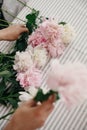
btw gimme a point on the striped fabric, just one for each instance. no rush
(75, 13)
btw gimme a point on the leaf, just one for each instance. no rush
(2, 87)
(5, 73)
(32, 17)
(21, 43)
(13, 102)
(31, 20)
(63, 23)
(43, 97)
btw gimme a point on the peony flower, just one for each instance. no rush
(39, 55)
(50, 30)
(28, 95)
(32, 77)
(32, 91)
(23, 61)
(36, 38)
(56, 50)
(24, 96)
(70, 80)
(47, 32)
(68, 34)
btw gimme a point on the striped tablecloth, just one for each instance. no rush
(75, 13)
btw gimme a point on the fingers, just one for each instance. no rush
(47, 113)
(22, 25)
(47, 105)
(44, 110)
(24, 29)
(30, 103)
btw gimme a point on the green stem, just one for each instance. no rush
(11, 57)
(7, 115)
(9, 96)
(28, 7)
(12, 15)
(6, 67)
(5, 21)
(3, 25)
(25, 4)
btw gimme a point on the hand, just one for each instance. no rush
(12, 32)
(31, 116)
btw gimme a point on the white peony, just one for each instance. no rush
(23, 61)
(45, 90)
(32, 91)
(40, 56)
(68, 34)
(24, 96)
(29, 94)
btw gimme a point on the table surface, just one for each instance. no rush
(75, 13)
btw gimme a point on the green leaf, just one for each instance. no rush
(5, 73)
(13, 102)
(32, 17)
(2, 87)
(31, 20)
(43, 97)
(21, 43)
(63, 23)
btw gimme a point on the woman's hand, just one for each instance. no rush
(31, 116)
(12, 32)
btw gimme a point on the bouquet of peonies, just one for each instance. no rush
(21, 70)
(48, 40)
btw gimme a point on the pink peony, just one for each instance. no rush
(32, 77)
(56, 50)
(70, 80)
(48, 32)
(51, 30)
(36, 38)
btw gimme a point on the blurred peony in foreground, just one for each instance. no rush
(70, 80)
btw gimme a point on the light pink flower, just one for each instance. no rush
(56, 50)
(48, 32)
(39, 55)
(36, 38)
(32, 77)
(70, 80)
(51, 30)
(23, 61)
